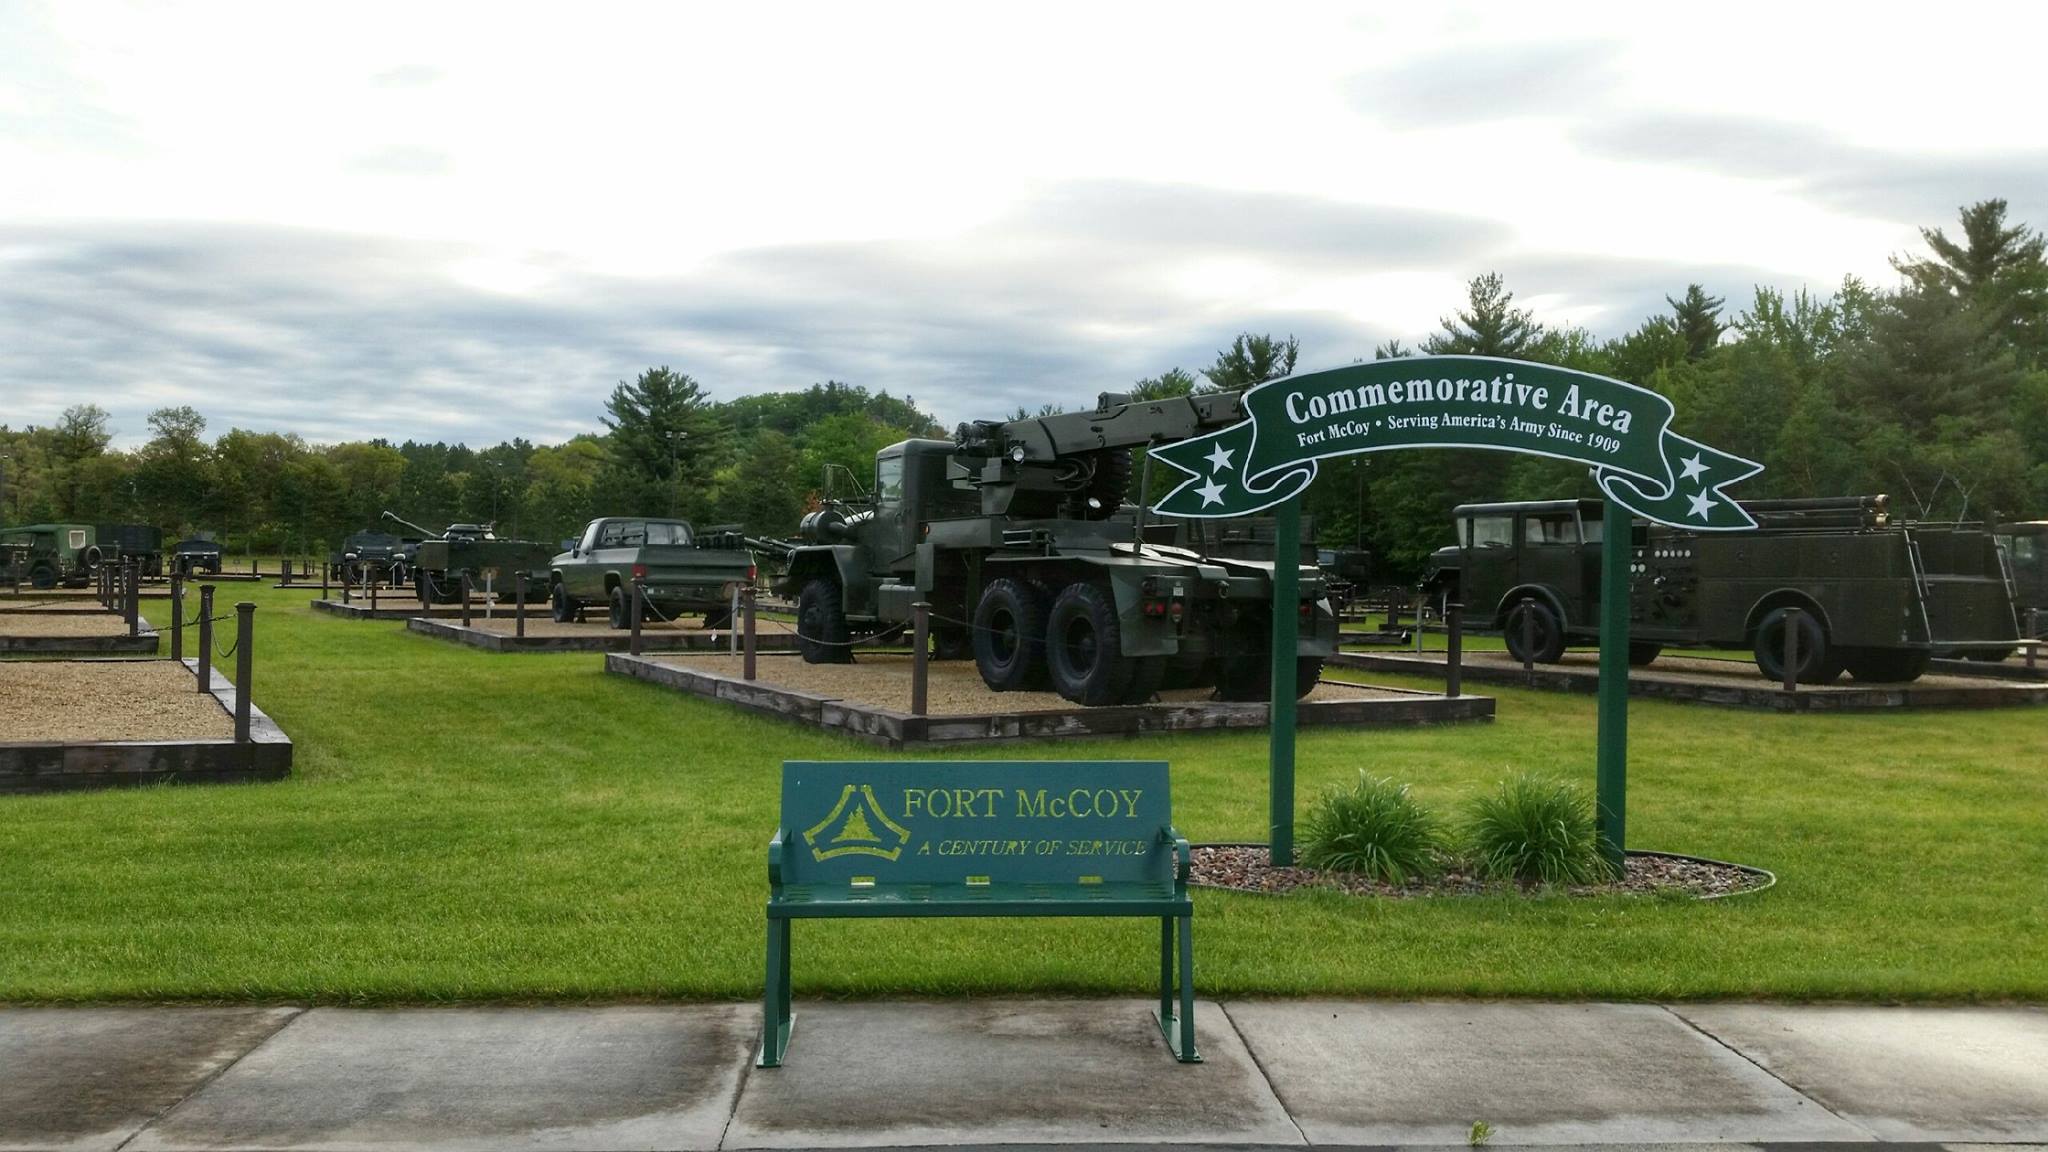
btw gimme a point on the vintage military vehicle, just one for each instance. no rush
(437, 561)
(1876, 598)
(681, 573)
(196, 556)
(142, 543)
(1018, 537)
(372, 556)
(53, 554)
(2026, 554)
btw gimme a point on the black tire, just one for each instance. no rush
(1815, 659)
(1885, 665)
(1642, 652)
(821, 632)
(951, 643)
(1989, 655)
(718, 618)
(1084, 646)
(42, 577)
(1244, 665)
(620, 613)
(1547, 631)
(560, 608)
(93, 557)
(1009, 636)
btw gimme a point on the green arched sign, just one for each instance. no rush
(1622, 432)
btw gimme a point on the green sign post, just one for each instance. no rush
(1618, 430)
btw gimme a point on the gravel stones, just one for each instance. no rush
(1246, 869)
(63, 701)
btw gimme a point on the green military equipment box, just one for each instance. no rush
(437, 562)
(52, 554)
(1018, 537)
(142, 543)
(979, 838)
(1873, 597)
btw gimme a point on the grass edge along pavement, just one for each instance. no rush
(463, 826)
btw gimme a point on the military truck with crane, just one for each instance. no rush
(1873, 597)
(1019, 537)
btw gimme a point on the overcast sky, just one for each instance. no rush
(431, 222)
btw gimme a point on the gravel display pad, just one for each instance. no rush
(953, 687)
(62, 624)
(53, 701)
(541, 625)
(1243, 868)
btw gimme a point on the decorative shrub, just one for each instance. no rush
(1374, 828)
(1533, 829)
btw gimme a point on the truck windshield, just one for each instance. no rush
(889, 480)
(676, 534)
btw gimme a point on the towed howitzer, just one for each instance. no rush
(441, 559)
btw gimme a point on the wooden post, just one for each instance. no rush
(747, 621)
(131, 597)
(344, 583)
(519, 605)
(2033, 633)
(1419, 605)
(177, 617)
(1791, 669)
(1454, 649)
(324, 573)
(639, 598)
(1529, 637)
(373, 596)
(205, 638)
(285, 577)
(920, 656)
(465, 597)
(245, 633)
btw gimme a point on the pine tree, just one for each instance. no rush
(664, 436)
(1489, 326)
(1698, 319)
(1252, 359)
(1998, 270)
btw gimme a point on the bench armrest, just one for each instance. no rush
(1184, 862)
(775, 860)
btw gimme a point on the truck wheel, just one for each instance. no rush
(1814, 658)
(1885, 665)
(1250, 677)
(560, 607)
(951, 644)
(821, 632)
(1547, 631)
(1147, 676)
(1641, 653)
(42, 576)
(1009, 636)
(620, 615)
(718, 618)
(1084, 646)
(1990, 655)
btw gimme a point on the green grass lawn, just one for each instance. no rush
(463, 825)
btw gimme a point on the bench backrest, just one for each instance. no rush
(980, 821)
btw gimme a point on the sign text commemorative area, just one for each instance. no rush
(1622, 432)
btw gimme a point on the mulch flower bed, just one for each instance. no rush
(1245, 869)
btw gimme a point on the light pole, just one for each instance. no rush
(674, 438)
(497, 477)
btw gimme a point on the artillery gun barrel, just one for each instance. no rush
(1876, 503)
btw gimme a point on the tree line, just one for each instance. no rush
(1934, 390)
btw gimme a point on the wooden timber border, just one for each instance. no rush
(80, 764)
(1739, 687)
(604, 640)
(143, 643)
(897, 730)
(394, 607)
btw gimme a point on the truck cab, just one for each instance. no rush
(1546, 550)
(2025, 546)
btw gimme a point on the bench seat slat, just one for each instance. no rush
(1131, 898)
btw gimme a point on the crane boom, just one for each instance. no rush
(1078, 463)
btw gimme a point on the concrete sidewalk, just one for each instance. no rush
(1083, 1072)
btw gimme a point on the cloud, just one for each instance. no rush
(1488, 82)
(1917, 188)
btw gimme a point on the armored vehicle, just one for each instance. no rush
(371, 555)
(143, 543)
(1018, 537)
(2026, 553)
(1876, 598)
(681, 572)
(437, 562)
(195, 557)
(53, 554)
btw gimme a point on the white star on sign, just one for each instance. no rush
(1212, 493)
(1693, 467)
(1220, 458)
(1702, 506)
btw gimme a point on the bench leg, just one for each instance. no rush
(775, 997)
(1179, 1031)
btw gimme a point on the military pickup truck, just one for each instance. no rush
(1876, 598)
(683, 574)
(52, 554)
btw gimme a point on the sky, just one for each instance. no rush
(450, 222)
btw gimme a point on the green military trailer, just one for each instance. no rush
(1873, 597)
(680, 572)
(52, 554)
(142, 543)
(1018, 536)
(439, 560)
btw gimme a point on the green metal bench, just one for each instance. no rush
(980, 838)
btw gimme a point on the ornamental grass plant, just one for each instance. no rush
(1374, 828)
(1533, 829)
